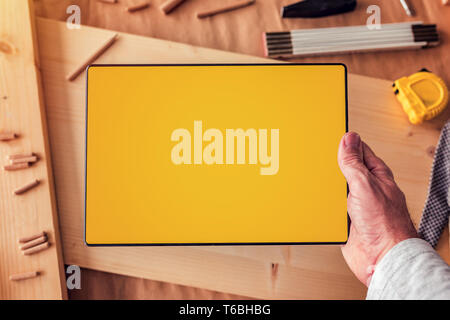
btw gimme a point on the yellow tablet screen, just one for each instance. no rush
(215, 154)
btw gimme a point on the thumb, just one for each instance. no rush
(351, 159)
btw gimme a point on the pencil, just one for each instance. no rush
(94, 56)
(231, 7)
(406, 6)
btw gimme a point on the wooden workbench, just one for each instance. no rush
(246, 26)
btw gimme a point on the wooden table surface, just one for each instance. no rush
(241, 31)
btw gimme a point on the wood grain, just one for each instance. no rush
(262, 272)
(22, 111)
(103, 285)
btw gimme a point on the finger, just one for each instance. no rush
(351, 159)
(375, 164)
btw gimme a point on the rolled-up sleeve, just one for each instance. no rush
(410, 270)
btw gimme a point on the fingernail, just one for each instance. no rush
(352, 139)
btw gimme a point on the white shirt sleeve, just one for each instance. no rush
(411, 270)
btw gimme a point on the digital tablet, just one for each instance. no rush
(215, 154)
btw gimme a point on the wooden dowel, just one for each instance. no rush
(18, 156)
(169, 5)
(23, 276)
(7, 136)
(31, 159)
(26, 187)
(231, 7)
(74, 74)
(138, 7)
(16, 166)
(36, 249)
(349, 39)
(32, 237)
(33, 243)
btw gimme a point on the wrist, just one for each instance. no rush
(392, 242)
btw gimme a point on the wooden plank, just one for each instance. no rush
(128, 288)
(22, 111)
(309, 272)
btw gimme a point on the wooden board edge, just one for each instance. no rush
(50, 177)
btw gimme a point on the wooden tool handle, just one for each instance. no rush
(169, 5)
(235, 6)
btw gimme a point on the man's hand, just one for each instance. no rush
(376, 205)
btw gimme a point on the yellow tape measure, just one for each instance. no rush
(423, 95)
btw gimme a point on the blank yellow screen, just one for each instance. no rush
(163, 166)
